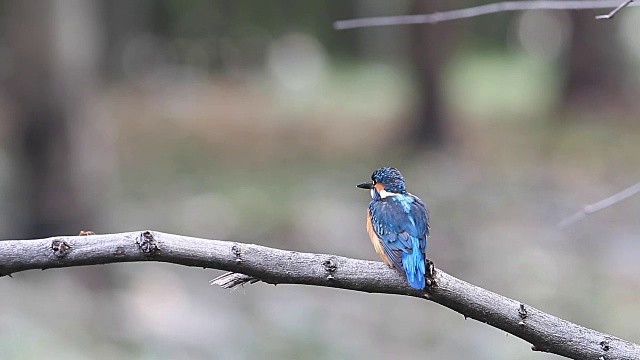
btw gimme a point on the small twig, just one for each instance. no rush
(231, 280)
(478, 11)
(602, 204)
(615, 11)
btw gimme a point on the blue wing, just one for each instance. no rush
(398, 219)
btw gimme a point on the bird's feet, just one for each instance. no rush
(430, 273)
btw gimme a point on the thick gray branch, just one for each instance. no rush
(546, 332)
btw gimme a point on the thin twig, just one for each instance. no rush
(602, 204)
(546, 332)
(614, 11)
(232, 280)
(477, 11)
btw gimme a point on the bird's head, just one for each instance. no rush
(386, 181)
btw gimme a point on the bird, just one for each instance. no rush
(398, 225)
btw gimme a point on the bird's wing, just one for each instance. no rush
(420, 214)
(396, 221)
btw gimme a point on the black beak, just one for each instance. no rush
(365, 185)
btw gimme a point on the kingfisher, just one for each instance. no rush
(398, 224)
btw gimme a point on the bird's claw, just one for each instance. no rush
(431, 281)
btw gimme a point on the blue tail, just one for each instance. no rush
(414, 266)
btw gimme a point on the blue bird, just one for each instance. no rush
(398, 224)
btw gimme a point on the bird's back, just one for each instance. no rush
(401, 223)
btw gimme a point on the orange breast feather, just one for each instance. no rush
(375, 240)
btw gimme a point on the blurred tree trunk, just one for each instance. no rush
(389, 43)
(61, 153)
(431, 46)
(124, 20)
(591, 76)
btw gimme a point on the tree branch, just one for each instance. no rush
(602, 204)
(614, 11)
(479, 11)
(546, 332)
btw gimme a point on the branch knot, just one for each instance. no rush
(147, 243)
(522, 312)
(60, 248)
(235, 249)
(331, 267)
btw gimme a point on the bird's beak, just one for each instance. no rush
(365, 185)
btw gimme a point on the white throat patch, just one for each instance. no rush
(383, 194)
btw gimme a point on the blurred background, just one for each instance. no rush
(253, 121)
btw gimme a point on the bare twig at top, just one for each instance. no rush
(602, 204)
(615, 11)
(482, 10)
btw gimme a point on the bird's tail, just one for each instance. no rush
(414, 266)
